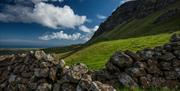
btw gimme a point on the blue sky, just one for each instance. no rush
(33, 23)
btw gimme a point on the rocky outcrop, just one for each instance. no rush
(38, 71)
(133, 9)
(158, 67)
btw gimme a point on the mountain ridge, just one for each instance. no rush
(132, 10)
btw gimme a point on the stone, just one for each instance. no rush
(157, 82)
(145, 82)
(126, 80)
(44, 64)
(177, 70)
(165, 66)
(56, 87)
(52, 74)
(133, 55)
(4, 76)
(49, 57)
(62, 63)
(168, 47)
(98, 86)
(121, 60)
(147, 54)
(40, 55)
(140, 64)
(74, 73)
(177, 54)
(26, 74)
(175, 38)
(68, 87)
(136, 72)
(33, 86)
(167, 57)
(44, 72)
(170, 75)
(112, 68)
(84, 83)
(78, 70)
(44, 87)
(172, 84)
(12, 78)
(22, 87)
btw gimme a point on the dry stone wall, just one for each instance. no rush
(37, 71)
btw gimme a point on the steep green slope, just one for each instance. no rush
(96, 55)
(143, 27)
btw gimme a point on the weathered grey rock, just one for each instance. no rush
(147, 54)
(52, 74)
(62, 63)
(44, 87)
(40, 55)
(175, 38)
(177, 54)
(136, 72)
(22, 87)
(112, 68)
(145, 82)
(157, 82)
(74, 73)
(121, 60)
(68, 87)
(44, 72)
(133, 55)
(98, 86)
(170, 75)
(126, 80)
(165, 65)
(167, 57)
(12, 78)
(85, 83)
(56, 87)
(27, 74)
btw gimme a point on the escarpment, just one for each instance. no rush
(131, 10)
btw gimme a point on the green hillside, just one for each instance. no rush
(133, 35)
(143, 27)
(96, 55)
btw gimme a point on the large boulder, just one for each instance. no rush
(121, 60)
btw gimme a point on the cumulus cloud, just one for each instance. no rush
(75, 36)
(101, 16)
(88, 30)
(61, 36)
(42, 13)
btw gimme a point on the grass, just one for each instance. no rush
(96, 55)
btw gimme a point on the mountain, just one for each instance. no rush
(139, 18)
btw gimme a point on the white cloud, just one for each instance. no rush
(88, 30)
(61, 36)
(75, 36)
(101, 16)
(45, 14)
(123, 1)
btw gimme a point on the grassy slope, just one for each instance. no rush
(143, 27)
(135, 35)
(95, 56)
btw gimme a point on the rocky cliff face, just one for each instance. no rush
(134, 9)
(38, 71)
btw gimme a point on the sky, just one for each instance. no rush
(51, 23)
